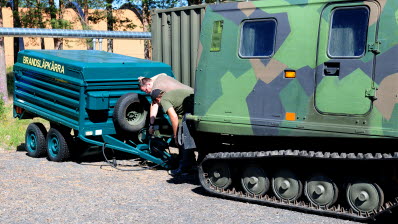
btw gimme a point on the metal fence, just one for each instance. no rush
(175, 38)
(96, 35)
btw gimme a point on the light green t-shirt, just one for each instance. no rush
(167, 83)
(182, 100)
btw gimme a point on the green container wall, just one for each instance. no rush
(175, 39)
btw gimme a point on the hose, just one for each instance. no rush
(114, 164)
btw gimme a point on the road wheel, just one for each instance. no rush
(130, 112)
(286, 185)
(321, 191)
(255, 181)
(220, 175)
(364, 196)
(35, 140)
(58, 145)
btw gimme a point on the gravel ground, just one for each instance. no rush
(39, 191)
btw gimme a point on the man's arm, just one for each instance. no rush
(174, 120)
(153, 111)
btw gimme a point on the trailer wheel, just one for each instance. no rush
(130, 113)
(35, 140)
(57, 145)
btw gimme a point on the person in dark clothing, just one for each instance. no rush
(163, 82)
(176, 103)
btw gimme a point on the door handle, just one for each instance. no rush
(331, 68)
(332, 71)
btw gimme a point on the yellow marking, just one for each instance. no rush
(43, 64)
(290, 116)
(60, 80)
(290, 74)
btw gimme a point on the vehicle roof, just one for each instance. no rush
(271, 3)
(83, 56)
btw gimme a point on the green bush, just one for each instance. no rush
(12, 130)
(2, 107)
(10, 81)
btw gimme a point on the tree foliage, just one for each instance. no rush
(197, 2)
(144, 8)
(3, 73)
(42, 14)
(33, 16)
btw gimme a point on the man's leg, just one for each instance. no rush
(186, 163)
(188, 159)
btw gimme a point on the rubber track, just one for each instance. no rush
(336, 211)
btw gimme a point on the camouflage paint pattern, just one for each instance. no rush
(243, 96)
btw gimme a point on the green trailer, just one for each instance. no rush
(92, 96)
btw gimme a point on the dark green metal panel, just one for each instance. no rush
(196, 22)
(175, 39)
(166, 40)
(156, 36)
(185, 48)
(175, 44)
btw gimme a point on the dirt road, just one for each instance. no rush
(39, 191)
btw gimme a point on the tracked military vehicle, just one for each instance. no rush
(296, 104)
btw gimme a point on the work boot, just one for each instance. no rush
(181, 172)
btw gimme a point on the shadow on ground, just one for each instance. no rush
(21, 148)
(201, 191)
(91, 156)
(184, 179)
(386, 218)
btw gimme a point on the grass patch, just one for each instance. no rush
(2, 107)
(12, 130)
(10, 81)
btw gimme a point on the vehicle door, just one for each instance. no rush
(347, 47)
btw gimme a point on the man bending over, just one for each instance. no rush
(164, 83)
(177, 103)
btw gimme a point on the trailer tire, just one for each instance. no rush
(130, 113)
(35, 140)
(58, 145)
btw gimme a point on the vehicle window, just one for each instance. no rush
(216, 37)
(348, 32)
(258, 38)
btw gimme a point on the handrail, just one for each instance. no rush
(62, 33)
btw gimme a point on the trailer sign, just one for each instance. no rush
(42, 63)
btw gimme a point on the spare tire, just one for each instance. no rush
(130, 112)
